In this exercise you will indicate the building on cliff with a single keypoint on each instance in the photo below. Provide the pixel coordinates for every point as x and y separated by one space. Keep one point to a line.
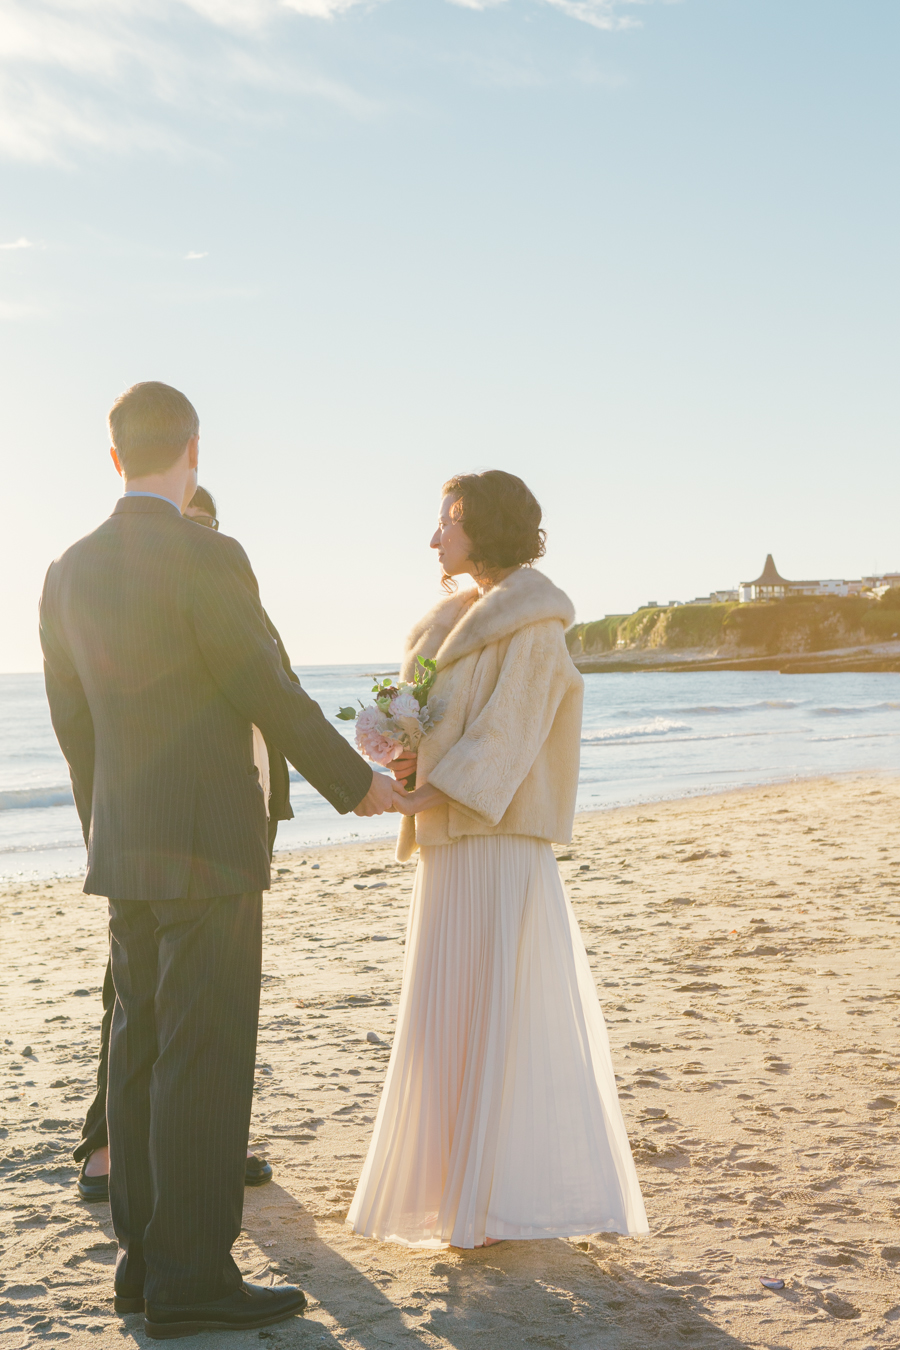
771 585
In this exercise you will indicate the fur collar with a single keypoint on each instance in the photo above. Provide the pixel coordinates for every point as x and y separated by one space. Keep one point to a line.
464 623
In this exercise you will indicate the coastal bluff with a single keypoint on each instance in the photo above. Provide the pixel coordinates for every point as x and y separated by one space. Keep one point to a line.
795 635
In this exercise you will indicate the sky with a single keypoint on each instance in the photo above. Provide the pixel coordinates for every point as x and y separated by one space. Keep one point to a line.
643 255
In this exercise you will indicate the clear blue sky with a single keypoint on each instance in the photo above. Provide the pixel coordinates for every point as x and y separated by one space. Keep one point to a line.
644 255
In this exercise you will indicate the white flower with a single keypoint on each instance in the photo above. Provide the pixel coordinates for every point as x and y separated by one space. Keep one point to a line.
368 719
373 736
405 705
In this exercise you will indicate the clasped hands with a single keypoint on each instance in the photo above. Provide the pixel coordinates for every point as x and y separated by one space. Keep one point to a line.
389 794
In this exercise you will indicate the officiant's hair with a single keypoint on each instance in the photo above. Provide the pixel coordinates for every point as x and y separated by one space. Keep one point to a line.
203 500
150 424
501 516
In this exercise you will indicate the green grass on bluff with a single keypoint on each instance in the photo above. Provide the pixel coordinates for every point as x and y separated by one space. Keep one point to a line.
797 624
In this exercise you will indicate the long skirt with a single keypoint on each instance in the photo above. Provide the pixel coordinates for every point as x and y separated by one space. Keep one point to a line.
499 1115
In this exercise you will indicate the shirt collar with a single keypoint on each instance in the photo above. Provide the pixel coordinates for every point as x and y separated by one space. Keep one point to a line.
158 495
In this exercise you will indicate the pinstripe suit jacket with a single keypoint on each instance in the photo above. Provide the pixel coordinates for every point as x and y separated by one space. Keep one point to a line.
157 659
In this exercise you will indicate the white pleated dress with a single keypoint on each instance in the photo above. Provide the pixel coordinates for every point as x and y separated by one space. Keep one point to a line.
499 1115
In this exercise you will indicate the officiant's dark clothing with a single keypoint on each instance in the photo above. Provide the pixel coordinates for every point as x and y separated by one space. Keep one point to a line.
157 661
94 1133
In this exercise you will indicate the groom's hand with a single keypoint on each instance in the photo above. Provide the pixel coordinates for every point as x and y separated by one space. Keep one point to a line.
379 798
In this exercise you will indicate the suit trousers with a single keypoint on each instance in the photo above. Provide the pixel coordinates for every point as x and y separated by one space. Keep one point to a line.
181 1065
93 1131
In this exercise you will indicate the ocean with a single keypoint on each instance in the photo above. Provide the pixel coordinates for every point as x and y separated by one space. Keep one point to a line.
646 737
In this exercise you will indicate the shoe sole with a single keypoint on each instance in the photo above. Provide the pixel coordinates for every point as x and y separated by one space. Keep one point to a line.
169 1331
93 1199
257 1181
128 1305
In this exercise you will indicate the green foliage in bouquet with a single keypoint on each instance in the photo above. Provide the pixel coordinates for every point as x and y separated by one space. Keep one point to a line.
385 691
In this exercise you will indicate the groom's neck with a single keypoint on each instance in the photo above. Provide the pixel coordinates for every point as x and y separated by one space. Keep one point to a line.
178 487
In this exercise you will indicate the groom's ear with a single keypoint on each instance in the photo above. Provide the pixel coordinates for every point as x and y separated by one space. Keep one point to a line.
115 459
193 447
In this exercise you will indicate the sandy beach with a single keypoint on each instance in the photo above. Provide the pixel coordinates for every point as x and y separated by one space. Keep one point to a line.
745 949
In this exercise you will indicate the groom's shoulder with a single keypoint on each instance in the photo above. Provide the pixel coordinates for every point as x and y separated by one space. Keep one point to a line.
215 548
156 539
80 547
183 536
218 560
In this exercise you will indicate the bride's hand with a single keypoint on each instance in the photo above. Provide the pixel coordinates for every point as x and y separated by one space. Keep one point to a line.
424 798
404 767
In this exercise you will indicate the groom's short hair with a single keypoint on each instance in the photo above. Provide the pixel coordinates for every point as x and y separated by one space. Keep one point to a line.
150 424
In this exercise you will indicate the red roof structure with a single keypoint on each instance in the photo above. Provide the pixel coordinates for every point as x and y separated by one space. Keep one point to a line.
769 585
769 576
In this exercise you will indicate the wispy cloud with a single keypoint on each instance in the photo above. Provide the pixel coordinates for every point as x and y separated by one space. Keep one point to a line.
192 257
134 74
120 75
609 15
19 243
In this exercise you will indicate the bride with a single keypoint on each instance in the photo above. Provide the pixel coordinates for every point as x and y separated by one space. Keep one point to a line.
499 1116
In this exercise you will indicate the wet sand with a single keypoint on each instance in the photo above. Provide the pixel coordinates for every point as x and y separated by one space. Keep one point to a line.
745 948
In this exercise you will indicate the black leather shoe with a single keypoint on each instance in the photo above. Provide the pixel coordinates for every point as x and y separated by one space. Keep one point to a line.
257 1172
92 1189
253 1305
125 1303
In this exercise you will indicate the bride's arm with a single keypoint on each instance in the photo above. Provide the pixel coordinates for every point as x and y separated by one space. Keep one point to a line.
482 772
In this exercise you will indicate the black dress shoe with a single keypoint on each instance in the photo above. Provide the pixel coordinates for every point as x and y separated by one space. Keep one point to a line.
253 1305
128 1303
92 1188
257 1172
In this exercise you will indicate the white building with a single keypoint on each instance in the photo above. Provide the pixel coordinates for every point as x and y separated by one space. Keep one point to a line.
770 585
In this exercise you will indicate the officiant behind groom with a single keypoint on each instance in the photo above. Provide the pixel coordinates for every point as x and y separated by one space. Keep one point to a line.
157 663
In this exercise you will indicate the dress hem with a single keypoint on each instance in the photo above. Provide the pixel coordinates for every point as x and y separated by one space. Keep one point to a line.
443 1244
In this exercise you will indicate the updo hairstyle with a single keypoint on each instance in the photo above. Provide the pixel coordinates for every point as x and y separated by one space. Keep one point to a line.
501 517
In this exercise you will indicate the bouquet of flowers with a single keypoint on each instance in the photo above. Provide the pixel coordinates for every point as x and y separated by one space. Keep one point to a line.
398 718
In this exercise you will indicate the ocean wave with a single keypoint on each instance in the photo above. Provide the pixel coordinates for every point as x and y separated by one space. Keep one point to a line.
860 708
26 799
660 726
857 736
51 846
715 709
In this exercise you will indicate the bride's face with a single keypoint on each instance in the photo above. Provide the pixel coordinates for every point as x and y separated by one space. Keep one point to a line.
452 543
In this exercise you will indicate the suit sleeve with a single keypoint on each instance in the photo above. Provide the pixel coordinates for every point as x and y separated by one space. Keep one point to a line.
482 772
243 658
279 779
69 711
282 652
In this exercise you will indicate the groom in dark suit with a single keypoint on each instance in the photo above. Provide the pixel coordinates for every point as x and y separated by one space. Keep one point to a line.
93 1147
157 661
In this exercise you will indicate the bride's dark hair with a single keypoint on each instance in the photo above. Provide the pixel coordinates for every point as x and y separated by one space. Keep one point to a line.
501 516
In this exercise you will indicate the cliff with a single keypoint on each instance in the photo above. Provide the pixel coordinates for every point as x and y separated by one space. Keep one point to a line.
802 632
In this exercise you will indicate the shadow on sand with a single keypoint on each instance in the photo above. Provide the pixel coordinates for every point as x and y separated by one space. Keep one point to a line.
370 1295
550 1293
